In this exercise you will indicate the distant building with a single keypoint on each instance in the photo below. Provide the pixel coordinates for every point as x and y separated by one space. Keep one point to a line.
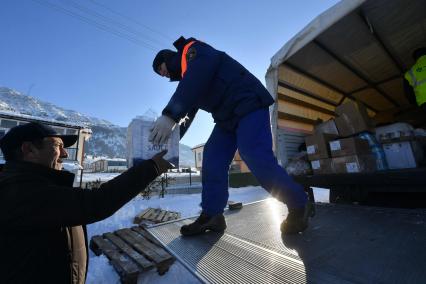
237 165
103 164
198 155
87 163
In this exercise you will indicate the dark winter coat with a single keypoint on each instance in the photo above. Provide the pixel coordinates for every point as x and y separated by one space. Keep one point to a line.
43 218
215 83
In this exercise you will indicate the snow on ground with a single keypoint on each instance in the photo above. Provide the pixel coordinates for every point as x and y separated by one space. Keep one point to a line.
87 177
100 271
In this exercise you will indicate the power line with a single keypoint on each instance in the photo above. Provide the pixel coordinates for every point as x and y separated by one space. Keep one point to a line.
111 21
96 24
132 20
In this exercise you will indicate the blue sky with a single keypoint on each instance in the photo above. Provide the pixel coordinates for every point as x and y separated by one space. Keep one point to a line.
103 69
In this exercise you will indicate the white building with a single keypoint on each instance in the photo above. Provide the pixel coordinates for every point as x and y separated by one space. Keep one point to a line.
237 165
103 164
198 153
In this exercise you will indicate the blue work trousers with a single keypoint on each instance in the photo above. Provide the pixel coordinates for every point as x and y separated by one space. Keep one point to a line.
253 139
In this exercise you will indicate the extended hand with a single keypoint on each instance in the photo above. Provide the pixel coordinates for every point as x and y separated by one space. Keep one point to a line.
161 130
162 164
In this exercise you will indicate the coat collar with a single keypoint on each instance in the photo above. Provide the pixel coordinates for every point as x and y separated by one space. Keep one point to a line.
181 42
58 177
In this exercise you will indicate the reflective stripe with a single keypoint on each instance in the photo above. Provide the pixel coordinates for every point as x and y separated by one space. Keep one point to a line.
183 63
413 78
421 82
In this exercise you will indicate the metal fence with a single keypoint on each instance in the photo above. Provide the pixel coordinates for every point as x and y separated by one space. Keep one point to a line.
181 178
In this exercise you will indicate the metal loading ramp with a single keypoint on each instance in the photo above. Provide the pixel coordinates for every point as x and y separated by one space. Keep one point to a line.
344 244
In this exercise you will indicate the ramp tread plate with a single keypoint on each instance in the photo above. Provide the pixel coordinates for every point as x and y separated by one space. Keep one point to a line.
344 244
228 259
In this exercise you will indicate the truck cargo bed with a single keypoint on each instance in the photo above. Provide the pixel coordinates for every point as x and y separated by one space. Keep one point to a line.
409 179
392 188
343 244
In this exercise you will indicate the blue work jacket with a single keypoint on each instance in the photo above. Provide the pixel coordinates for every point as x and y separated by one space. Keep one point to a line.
215 83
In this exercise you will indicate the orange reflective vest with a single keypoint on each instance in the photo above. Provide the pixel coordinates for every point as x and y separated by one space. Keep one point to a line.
183 63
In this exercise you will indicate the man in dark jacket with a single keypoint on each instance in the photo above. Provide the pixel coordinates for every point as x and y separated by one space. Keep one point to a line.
42 217
212 81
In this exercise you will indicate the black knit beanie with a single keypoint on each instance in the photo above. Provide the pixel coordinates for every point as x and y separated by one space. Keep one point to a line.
164 55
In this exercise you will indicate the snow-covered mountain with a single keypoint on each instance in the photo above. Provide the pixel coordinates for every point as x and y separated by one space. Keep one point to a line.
107 139
13 101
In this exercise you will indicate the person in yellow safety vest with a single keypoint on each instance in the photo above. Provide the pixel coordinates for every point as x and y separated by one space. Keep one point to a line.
415 79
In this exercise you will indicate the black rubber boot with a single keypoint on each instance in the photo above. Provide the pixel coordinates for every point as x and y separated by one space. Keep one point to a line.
204 223
297 219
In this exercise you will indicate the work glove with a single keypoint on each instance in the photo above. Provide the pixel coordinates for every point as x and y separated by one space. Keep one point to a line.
161 130
161 164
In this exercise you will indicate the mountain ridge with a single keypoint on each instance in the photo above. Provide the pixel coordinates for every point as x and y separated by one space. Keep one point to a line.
107 139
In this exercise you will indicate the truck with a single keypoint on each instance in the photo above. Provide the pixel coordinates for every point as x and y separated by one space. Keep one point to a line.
355 51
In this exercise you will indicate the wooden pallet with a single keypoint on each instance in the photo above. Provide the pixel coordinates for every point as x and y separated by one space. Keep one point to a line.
156 215
131 252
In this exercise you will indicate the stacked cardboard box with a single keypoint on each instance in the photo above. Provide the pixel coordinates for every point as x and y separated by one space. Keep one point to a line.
322 166
354 164
349 146
317 146
351 155
328 127
328 154
353 119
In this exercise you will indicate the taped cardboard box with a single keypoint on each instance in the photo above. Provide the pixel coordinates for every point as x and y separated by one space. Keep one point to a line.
322 166
139 148
328 127
349 146
317 145
354 164
353 119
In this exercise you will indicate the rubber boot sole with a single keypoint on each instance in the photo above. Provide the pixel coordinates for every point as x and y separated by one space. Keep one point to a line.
203 229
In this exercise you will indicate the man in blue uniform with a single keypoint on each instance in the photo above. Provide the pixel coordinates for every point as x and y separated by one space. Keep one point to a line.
211 80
